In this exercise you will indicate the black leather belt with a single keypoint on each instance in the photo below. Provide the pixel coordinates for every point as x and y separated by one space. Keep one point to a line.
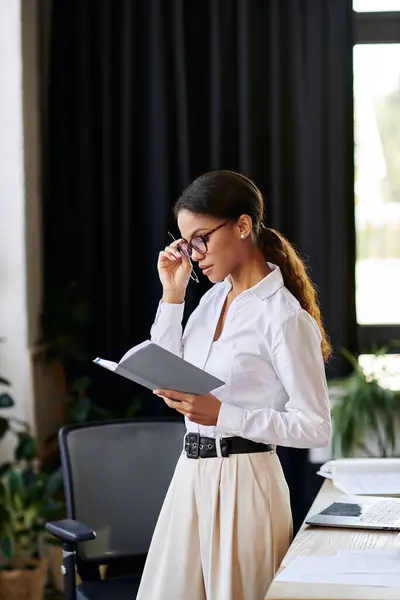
205 447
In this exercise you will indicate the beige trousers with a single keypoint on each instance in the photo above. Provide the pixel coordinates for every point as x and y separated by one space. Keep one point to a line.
222 532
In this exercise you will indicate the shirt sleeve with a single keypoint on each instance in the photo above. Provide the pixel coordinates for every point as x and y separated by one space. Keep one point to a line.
298 362
166 330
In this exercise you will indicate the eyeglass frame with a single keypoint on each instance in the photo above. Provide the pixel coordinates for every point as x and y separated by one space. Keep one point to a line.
204 238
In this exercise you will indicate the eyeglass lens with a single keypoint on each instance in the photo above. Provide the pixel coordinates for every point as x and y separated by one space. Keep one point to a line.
197 243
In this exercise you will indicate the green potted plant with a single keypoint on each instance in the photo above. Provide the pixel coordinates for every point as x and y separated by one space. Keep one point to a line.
27 500
363 412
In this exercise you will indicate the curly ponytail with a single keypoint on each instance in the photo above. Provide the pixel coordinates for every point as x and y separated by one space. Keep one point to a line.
278 250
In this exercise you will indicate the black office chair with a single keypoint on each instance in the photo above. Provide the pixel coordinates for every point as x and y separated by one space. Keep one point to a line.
116 475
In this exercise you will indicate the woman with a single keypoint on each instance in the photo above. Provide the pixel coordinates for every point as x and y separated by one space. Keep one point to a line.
226 522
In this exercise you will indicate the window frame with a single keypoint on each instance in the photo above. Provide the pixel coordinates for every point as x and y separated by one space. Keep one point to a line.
377 28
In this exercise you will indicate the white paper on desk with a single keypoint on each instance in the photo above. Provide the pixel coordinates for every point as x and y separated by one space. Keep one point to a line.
326 469
364 476
373 484
365 567
367 475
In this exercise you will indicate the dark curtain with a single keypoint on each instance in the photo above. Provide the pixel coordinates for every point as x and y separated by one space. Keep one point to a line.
146 95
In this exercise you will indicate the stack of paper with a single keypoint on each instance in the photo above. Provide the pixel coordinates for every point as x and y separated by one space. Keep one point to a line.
350 567
368 476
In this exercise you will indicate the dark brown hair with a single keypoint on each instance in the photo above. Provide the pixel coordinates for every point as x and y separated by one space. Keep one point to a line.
228 195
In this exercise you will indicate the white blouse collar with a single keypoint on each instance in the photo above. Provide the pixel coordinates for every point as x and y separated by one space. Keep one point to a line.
267 286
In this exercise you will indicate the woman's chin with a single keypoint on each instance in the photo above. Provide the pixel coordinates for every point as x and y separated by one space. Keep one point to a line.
211 276
215 274
215 277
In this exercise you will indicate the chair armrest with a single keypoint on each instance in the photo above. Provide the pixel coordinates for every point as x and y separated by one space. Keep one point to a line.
69 530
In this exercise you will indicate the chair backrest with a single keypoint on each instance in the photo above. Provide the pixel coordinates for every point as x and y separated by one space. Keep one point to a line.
116 475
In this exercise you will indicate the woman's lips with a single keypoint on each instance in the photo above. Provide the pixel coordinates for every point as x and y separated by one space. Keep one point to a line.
206 270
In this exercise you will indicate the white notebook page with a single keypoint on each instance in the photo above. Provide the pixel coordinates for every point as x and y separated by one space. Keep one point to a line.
375 476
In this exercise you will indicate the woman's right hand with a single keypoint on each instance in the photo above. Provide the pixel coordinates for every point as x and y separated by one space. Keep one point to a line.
174 269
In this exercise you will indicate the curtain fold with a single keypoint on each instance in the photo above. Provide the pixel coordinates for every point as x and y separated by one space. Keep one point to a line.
145 96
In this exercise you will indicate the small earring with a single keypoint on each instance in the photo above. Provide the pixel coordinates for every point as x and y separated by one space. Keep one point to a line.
242 236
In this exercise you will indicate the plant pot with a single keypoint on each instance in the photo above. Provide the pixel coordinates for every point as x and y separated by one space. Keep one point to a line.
24 584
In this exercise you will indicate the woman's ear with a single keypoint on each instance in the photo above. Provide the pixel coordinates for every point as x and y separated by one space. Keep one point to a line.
244 226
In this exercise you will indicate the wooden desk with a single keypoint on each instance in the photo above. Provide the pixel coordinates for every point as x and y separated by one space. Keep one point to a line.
323 541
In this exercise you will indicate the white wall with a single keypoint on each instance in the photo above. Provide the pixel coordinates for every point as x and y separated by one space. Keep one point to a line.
14 353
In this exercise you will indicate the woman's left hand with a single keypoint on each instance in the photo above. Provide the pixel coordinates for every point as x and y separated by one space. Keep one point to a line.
201 409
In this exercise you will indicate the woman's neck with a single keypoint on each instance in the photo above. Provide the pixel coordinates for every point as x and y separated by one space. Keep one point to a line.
250 272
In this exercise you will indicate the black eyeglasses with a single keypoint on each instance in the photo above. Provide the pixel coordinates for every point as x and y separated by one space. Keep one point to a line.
198 243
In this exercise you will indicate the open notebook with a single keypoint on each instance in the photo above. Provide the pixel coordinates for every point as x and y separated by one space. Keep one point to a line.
154 367
369 476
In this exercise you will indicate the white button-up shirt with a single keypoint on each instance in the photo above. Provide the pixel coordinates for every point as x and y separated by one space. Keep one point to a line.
269 356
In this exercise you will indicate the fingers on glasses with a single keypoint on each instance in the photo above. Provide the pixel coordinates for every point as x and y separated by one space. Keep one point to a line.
186 252
170 254
183 247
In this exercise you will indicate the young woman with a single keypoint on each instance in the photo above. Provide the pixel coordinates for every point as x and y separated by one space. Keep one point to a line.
226 521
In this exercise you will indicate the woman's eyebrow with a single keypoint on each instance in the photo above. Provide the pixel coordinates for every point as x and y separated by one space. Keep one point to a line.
196 231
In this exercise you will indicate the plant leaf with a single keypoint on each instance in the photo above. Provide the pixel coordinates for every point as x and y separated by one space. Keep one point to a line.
79 410
364 411
4 468
54 482
17 488
80 385
351 359
30 478
6 401
390 418
6 546
4 515
26 532
3 427
26 448
347 425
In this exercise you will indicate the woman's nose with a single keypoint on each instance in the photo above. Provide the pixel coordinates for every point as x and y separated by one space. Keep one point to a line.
196 256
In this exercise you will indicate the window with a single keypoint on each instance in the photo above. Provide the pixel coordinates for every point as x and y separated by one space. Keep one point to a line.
377 170
377 182
385 368
376 5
